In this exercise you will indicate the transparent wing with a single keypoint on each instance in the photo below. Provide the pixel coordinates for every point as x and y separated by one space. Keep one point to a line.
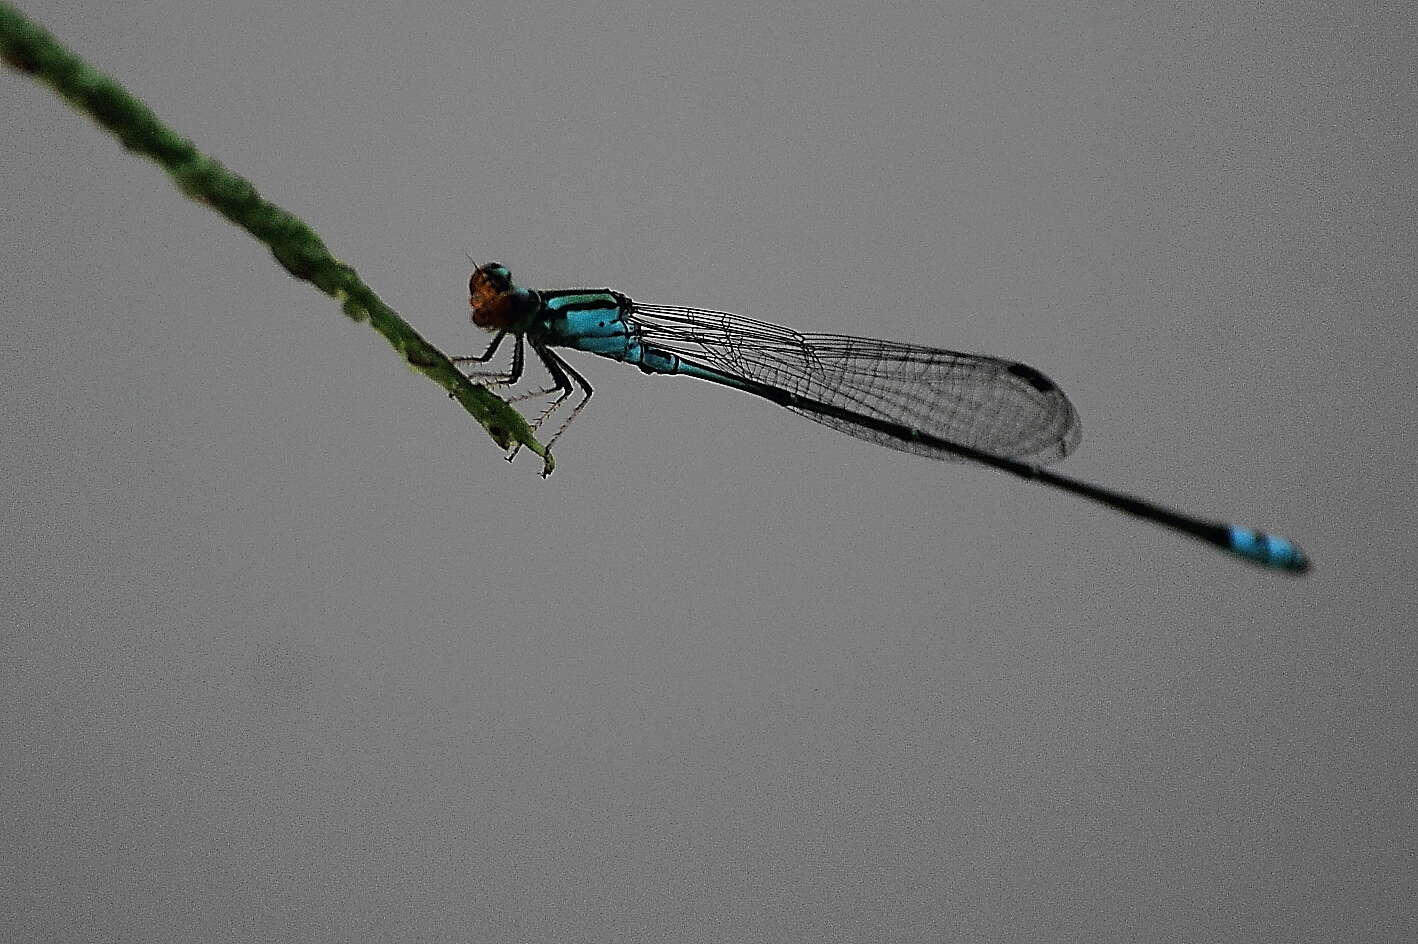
1000 406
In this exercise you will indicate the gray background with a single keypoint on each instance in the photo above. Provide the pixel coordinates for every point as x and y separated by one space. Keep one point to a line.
291 654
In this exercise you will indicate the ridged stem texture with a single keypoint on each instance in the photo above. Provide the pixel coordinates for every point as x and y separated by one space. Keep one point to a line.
29 49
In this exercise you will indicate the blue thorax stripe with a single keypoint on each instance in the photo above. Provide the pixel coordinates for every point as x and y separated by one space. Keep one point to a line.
591 320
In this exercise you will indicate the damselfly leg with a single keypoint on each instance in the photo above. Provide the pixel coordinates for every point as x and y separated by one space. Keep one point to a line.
563 377
561 371
493 378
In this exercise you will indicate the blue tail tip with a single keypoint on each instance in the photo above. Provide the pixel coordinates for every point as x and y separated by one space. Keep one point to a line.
1269 550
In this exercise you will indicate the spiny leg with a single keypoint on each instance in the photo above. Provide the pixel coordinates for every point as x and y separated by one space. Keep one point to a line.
485 356
498 379
511 377
559 383
529 394
563 374
561 370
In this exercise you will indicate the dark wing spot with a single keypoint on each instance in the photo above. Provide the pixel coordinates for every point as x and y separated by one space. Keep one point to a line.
1032 377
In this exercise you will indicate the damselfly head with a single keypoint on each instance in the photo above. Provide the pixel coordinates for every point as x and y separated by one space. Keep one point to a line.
492 278
498 304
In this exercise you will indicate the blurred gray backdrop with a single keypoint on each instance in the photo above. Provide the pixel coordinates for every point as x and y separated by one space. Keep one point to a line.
291 654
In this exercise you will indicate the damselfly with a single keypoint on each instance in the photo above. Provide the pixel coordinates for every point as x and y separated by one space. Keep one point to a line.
942 404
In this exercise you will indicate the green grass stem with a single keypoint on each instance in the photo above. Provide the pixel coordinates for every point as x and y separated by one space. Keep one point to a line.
28 48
